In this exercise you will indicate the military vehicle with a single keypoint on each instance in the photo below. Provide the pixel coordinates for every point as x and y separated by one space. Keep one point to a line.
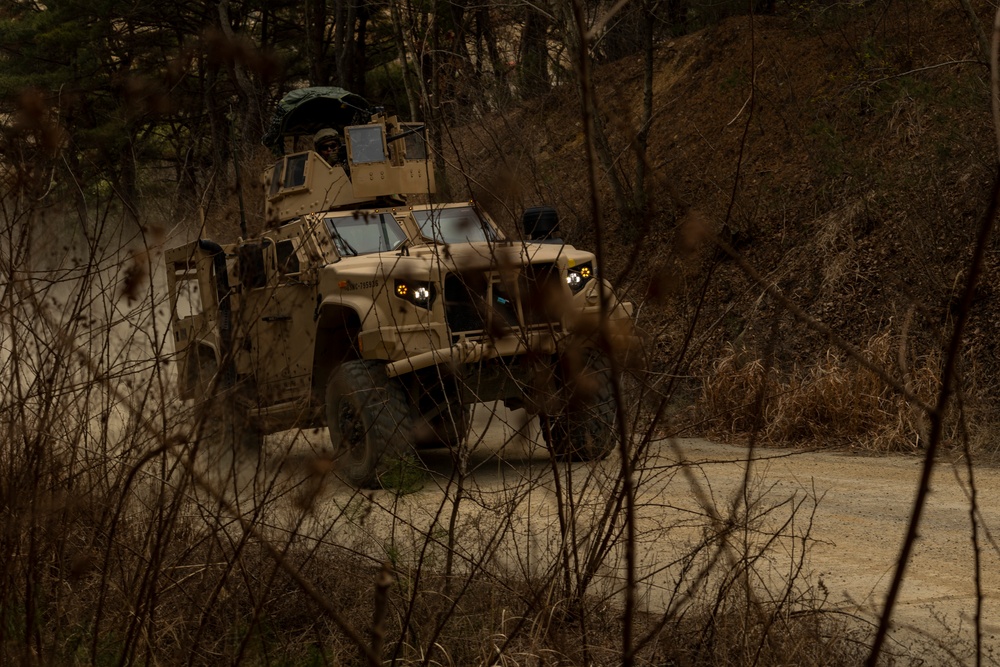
384 319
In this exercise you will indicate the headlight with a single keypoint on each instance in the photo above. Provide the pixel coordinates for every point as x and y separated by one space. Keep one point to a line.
418 293
578 276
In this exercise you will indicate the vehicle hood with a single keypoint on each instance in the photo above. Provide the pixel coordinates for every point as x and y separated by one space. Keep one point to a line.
482 256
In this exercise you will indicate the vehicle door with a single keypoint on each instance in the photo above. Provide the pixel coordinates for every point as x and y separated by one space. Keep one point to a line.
277 315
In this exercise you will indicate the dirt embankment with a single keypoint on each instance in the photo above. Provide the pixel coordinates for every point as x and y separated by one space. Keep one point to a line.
845 153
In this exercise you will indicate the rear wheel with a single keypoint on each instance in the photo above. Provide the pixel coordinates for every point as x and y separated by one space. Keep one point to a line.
200 370
585 428
224 423
370 422
239 432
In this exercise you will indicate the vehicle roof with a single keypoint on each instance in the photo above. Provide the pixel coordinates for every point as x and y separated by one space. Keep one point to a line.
308 110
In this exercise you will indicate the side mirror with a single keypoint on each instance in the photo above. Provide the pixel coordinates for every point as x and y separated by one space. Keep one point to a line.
540 223
250 265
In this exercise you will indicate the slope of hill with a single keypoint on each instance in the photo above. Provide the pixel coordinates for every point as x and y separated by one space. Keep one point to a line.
846 153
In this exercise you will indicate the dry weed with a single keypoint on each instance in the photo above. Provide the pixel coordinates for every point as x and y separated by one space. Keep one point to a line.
835 401
737 397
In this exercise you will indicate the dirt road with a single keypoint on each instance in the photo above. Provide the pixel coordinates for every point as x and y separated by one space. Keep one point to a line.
863 505
849 512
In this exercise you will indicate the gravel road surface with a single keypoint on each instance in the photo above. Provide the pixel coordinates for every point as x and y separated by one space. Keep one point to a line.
849 511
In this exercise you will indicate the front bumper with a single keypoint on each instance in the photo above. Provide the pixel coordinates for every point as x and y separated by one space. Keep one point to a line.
466 351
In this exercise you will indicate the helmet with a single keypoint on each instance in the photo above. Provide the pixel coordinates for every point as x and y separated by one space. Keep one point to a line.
327 133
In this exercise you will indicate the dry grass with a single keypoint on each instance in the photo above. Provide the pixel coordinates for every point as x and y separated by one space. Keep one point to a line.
835 401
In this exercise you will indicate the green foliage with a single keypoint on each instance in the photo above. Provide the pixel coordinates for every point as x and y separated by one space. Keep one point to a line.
128 83
84 60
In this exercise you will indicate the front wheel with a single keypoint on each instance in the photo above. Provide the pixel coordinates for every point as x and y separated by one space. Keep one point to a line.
370 424
586 427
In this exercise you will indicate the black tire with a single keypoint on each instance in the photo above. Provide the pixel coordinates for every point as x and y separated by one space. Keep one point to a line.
442 420
200 370
238 431
224 423
370 422
586 428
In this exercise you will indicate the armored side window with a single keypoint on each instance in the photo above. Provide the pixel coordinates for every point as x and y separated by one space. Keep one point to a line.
295 170
250 265
187 294
367 144
288 261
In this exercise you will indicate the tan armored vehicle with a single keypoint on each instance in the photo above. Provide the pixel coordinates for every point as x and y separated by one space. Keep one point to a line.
385 321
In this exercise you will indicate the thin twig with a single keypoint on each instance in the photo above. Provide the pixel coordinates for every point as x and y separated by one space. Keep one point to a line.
924 69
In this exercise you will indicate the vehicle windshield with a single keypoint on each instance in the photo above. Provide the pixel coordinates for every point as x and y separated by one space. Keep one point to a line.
453 225
364 234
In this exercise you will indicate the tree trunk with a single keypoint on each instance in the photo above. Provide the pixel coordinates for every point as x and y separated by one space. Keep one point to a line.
677 16
128 179
345 17
409 58
218 132
462 85
315 36
533 70
252 126
642 136
360 56
485 34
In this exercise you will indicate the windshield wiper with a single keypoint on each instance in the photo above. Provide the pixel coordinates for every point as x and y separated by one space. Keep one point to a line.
352 251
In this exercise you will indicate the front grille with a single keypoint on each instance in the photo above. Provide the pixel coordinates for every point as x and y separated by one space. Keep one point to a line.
543 292
504 307
465 302
480 303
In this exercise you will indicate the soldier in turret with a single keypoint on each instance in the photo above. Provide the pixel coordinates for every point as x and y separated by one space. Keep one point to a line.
329 144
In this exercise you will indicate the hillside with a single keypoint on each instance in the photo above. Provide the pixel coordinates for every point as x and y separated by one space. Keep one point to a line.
847 154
